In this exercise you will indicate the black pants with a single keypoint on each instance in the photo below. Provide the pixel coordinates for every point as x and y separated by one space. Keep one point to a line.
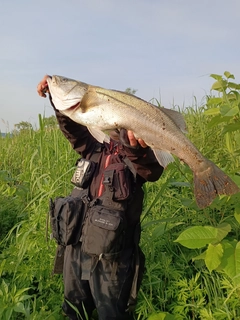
106 287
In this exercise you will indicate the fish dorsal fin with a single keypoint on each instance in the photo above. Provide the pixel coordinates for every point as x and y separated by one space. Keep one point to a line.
177 118
164 157
99 135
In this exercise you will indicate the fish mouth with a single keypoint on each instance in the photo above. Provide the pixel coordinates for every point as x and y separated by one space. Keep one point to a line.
46 89
49 78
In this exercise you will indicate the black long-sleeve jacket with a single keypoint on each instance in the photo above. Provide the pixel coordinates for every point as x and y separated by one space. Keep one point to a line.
143 161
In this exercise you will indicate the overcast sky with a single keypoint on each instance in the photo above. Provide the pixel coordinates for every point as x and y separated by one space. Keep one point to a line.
166 49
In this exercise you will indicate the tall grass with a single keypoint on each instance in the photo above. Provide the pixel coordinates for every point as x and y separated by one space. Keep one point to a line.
38 164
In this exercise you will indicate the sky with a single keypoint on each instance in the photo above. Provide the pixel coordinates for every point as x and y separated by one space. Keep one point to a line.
166 49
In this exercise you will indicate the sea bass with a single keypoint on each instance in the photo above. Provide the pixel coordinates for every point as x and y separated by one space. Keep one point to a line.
162 129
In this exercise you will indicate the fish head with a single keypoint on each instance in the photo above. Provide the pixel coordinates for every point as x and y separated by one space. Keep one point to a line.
66 93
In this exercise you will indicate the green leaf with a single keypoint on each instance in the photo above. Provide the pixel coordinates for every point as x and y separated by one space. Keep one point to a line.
157 316
213 257
217 86
24 297
19 307
2 265
231 260
237 212
222 231
214 101
2 310
19 292
237 141
233 96
201 256
229 111
216 76
212 111
216 120
231 127
229 142
8 314
5 287
229 75
159 230
197 237
161 316
233 85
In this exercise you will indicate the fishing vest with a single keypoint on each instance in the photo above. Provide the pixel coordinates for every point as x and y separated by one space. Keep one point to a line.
99 224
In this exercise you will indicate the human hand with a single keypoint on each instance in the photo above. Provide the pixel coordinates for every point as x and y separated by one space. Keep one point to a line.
134 142
42 87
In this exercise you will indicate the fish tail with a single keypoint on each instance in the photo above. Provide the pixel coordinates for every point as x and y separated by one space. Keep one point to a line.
211 182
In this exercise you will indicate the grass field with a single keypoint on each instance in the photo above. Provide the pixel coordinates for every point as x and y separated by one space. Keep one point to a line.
182 281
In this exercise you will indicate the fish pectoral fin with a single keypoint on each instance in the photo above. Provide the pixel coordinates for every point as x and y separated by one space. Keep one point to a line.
89 100
164 157
177 118
99 135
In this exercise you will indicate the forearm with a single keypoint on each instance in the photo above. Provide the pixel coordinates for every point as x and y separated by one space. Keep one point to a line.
78 135
144 162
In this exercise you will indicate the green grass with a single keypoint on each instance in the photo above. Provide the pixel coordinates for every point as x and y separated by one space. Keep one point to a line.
38 164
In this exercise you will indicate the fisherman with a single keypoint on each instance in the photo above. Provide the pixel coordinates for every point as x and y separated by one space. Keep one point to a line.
107 283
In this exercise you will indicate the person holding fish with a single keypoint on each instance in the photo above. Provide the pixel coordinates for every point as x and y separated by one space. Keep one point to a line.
103 266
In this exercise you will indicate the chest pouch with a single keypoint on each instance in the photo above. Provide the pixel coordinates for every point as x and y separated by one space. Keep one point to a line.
103 232
83 173
119 180
66 215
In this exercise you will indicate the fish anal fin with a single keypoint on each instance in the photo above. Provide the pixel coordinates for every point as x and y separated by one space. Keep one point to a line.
164 157
177 118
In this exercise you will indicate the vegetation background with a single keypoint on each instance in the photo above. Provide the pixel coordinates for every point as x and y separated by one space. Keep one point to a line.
192 255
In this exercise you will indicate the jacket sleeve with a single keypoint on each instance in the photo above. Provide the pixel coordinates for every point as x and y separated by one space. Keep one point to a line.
144 162
78 135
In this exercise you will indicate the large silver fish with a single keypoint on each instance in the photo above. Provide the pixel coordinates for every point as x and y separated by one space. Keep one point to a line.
162 129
